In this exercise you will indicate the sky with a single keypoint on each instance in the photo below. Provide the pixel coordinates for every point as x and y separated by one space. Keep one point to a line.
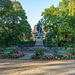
34 9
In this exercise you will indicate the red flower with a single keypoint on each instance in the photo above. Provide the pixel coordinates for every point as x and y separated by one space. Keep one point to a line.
0 46
9 48
4 49
16 49
1 49
66 45
4 45
74 48
73 44
39 48
1 57
14 45
42 57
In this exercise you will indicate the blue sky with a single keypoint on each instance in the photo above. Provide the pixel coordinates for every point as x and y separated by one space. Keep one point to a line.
34 9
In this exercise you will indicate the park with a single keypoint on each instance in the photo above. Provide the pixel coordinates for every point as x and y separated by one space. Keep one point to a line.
45 48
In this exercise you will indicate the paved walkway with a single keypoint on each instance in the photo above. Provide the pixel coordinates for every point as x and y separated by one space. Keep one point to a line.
27 56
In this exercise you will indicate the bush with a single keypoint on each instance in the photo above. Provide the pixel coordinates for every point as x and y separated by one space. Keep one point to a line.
51 38
28 42
34 56
9 42
12 55
37 54
14 51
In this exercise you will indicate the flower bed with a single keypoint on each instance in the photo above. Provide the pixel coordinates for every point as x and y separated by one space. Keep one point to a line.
53 57
40 55
11 53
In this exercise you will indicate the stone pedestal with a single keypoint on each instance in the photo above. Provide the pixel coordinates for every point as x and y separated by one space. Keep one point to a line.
39 40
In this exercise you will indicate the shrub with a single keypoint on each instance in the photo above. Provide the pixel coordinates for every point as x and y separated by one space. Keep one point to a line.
34 56
9 42
39 52
14 53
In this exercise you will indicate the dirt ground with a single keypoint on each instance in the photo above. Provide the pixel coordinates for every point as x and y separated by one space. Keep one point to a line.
36 67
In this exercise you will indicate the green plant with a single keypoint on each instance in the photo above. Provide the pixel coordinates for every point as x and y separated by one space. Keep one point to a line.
39 52
14 51
59 56
73 52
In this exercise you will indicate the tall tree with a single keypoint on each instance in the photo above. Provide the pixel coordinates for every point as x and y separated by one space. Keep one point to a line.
60 19
14 22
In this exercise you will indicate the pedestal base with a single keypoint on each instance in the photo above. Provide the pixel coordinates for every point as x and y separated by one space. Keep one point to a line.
39 40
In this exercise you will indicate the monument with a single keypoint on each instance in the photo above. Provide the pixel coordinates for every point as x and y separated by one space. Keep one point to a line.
39 28
39 35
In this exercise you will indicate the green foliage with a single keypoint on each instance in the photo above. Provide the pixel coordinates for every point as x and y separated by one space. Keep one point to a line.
59 56
14 51
8 50
60 19
14 24
30 42
16 41
51 38
39 52
73 51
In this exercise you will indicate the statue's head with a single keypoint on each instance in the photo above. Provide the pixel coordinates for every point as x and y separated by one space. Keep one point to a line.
39 21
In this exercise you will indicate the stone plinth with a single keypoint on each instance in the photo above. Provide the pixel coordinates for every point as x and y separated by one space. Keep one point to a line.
39 40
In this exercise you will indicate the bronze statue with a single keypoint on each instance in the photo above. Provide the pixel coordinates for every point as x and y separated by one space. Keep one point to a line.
39 27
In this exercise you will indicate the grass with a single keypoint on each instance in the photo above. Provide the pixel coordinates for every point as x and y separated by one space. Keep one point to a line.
7 50
65 51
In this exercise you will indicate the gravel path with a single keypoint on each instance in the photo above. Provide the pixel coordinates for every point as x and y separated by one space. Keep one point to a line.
36 67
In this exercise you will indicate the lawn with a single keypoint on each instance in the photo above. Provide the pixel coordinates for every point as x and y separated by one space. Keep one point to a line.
64 51
7 50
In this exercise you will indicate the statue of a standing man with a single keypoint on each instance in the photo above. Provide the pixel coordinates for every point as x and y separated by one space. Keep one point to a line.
39 27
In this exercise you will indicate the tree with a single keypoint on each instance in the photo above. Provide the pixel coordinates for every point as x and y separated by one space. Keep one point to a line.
51 38
14 24
50 17
60 19
5 7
